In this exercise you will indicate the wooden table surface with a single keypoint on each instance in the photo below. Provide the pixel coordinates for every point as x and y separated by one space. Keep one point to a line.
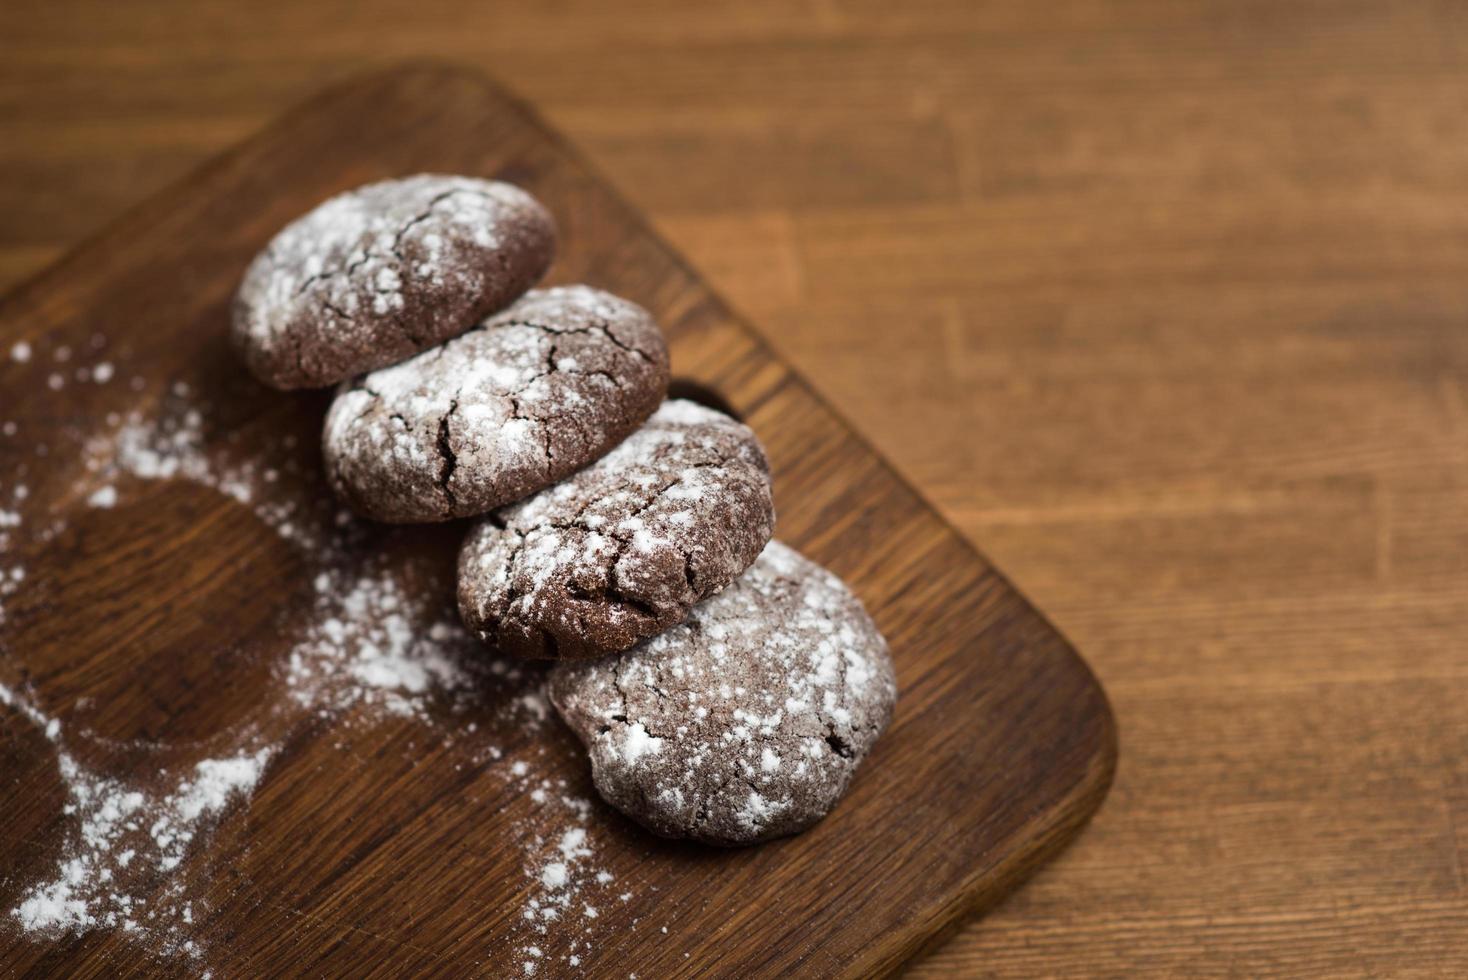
1162 303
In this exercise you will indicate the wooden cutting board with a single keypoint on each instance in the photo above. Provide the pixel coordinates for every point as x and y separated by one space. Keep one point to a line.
408 825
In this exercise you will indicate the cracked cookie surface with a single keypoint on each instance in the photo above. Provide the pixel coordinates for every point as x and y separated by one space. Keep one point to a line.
624 548
377 274
746 722
526 398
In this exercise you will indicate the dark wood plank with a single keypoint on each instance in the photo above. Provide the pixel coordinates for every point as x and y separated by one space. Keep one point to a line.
387 846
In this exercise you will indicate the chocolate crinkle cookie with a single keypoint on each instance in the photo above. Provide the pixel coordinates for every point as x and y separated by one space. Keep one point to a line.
526 398
623 549
744 723
382 272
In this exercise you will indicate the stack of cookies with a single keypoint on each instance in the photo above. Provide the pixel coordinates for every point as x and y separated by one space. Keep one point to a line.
725 687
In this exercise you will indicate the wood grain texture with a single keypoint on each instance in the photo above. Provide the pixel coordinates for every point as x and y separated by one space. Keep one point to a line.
1160 302
1002 746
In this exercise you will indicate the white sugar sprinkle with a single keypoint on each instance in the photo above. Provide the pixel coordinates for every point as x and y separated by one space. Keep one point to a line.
118 821
103 497
370 649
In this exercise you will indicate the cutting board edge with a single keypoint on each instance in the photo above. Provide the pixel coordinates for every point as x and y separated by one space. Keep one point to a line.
980 896
987 885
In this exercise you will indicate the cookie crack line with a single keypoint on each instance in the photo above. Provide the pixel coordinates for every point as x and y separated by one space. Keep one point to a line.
516 392
511 593
378 273
838 744
515 395
613 591
603 328
394 252
625 717
621 693
434 202
617 342
446 452
370 254
624 539
578 521
376 399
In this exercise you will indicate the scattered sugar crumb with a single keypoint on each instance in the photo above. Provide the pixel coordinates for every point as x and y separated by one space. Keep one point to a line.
95 883
103 497
565 878
370 649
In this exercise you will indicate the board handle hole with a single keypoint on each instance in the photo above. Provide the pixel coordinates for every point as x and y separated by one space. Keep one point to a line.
697 391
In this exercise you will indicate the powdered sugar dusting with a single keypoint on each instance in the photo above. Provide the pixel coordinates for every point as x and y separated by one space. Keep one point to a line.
123 833
530 395
12 574
624 547
366 649
371 642
103 497
747 721
567 886
174 445
377 273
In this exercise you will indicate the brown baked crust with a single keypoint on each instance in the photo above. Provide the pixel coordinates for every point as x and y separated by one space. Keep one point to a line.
377 274
624 548
526 398
748 721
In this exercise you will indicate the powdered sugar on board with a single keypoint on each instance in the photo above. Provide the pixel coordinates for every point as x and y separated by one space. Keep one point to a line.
567 887
11 574
123 836
368 650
